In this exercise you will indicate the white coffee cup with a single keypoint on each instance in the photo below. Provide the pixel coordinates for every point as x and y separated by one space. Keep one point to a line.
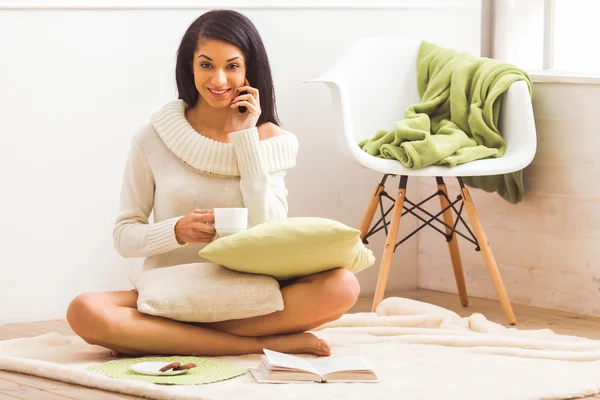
230 220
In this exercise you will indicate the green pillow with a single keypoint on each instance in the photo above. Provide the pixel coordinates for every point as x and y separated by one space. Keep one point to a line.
291 247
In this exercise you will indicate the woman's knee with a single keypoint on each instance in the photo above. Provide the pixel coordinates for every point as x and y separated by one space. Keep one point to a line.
342 288
88 317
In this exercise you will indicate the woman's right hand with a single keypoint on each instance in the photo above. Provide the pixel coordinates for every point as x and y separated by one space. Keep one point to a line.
196 227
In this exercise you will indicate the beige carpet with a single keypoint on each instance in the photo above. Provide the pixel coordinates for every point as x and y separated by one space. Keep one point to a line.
420 351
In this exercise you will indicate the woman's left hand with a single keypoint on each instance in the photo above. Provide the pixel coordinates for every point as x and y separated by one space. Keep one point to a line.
248 119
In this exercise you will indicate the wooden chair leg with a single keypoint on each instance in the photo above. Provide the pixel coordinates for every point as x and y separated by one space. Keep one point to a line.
390 244
368 218
488 256
453 245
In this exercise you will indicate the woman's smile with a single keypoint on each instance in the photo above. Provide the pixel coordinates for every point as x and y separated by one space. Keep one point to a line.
219 93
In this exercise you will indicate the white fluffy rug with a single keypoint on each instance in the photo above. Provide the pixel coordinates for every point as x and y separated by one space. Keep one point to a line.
420 351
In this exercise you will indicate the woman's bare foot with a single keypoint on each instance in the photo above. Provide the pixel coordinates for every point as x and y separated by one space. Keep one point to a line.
127 354
297 343
120 352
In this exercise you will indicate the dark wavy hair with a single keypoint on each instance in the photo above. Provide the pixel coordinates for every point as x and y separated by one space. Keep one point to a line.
234 28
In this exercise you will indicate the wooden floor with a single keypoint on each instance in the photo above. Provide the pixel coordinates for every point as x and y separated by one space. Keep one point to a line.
18 386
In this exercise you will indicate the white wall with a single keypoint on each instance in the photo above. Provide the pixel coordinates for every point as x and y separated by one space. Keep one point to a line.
78 78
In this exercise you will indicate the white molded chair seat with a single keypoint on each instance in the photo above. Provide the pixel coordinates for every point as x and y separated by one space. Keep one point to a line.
372 84
375 80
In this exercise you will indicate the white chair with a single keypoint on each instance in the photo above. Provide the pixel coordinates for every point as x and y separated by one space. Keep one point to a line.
371 85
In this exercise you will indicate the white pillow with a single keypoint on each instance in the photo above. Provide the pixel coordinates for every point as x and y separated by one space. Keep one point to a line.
205 292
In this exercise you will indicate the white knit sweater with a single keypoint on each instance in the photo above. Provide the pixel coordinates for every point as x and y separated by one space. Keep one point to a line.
172 170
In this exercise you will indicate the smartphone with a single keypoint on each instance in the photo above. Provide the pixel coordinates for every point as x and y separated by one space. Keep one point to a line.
243 109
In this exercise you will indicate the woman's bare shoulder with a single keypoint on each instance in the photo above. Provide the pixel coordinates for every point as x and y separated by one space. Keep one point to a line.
269 130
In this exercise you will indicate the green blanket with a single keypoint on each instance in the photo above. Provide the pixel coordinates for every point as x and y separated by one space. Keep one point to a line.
456 121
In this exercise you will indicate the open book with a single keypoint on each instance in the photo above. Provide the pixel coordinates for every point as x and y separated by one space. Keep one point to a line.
278 367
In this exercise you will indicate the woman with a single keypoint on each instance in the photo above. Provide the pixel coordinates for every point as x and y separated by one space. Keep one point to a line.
198 153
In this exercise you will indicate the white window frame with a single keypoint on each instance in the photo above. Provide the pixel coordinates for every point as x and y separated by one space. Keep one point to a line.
548 35
522 33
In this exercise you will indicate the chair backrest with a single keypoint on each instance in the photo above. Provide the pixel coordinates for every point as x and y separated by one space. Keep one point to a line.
372 83
516 123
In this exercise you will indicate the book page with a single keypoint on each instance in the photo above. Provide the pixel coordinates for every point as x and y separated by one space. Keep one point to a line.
277 359
260 379
326 366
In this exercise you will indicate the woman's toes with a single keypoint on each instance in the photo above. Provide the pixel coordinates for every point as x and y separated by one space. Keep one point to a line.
324 348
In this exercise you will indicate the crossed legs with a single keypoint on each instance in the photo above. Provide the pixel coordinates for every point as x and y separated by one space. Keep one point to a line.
111 320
